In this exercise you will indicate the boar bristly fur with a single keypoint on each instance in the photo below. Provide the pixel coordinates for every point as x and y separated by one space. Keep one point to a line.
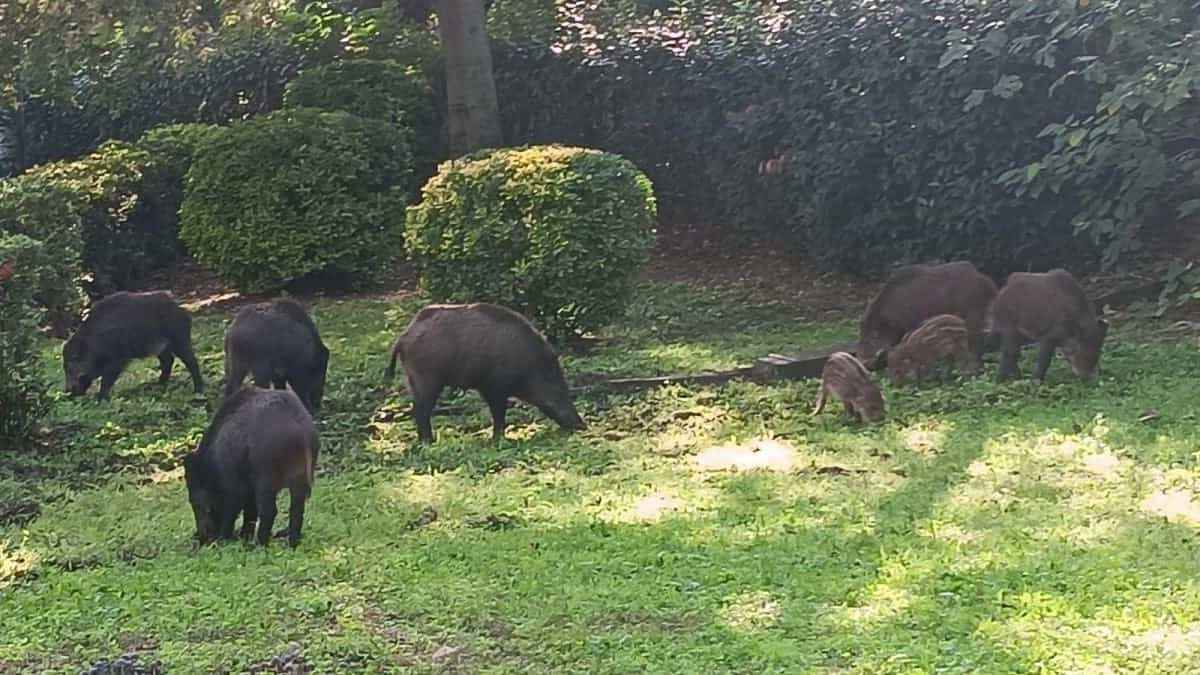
918 292
484 347
127 326
1052 309
277 344
260 442
847 378
941 337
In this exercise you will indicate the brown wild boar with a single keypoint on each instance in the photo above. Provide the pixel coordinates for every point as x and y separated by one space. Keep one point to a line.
1051 309
278 344
484 347
127 326
847 378
941 337
259 442
915 293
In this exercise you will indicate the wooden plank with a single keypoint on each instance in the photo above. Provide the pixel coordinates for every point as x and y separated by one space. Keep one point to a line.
637 383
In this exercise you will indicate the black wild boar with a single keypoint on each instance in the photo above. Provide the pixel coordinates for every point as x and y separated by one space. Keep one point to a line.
127 326
277 343
259 442
917 292
942 336
484 347
847 378
1052 309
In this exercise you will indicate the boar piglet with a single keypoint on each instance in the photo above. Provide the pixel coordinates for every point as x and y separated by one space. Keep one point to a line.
127 326
847 378
277 343
1051 309
259 442
918 292
484 347
941 337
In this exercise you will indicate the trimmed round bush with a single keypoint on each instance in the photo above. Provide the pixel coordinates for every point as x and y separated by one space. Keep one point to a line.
122 239
38 209
381 90
295 193
24 396
172 148
558 233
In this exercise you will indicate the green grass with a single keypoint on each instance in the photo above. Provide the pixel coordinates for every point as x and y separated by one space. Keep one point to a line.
982 528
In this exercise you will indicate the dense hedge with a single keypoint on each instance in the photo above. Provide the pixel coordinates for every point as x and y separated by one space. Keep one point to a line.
295 193
877 133
556 232
124 236
24 399
382 90
38 209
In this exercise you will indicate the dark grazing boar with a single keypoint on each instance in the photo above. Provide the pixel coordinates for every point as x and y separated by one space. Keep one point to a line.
278 344
259 442
917 292
943 336
1051 309
127 326
484 347
848 379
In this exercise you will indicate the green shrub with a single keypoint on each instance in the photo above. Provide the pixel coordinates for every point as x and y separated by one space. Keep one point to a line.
172 149
122 238
297 192
556 232
38 209
24 398
381 90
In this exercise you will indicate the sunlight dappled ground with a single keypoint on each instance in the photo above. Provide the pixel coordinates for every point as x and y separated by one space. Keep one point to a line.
981 528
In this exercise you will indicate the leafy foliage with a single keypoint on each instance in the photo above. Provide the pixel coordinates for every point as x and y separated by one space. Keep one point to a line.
381 90
557 232
297 192
25 266
123 236
38 209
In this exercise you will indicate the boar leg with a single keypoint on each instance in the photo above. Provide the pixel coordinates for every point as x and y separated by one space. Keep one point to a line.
425 396
185 354
108 379
1045 353
229 513
852 412
1010 352
296 514
498 404
266 514
166 361
249 518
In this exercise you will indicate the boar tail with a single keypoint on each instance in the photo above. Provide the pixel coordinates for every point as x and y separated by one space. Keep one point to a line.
391 369
820 401
308 469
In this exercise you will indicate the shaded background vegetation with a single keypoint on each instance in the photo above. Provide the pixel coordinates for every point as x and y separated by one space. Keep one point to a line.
1019 134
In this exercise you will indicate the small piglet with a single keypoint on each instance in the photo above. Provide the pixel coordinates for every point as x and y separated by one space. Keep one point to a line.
484 347
278 344
846 377
941 337
259 442
127 326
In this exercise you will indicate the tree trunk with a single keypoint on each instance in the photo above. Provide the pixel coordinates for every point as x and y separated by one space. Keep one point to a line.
474 116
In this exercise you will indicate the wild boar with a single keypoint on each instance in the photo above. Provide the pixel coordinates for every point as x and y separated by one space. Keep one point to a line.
941 337
917 292
1051 309
278 344
127 326
259 442
848 379
484 347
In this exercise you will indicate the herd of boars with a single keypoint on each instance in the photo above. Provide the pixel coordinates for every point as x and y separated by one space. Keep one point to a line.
262 438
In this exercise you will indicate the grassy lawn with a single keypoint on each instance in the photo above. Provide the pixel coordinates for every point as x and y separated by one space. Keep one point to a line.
982 528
